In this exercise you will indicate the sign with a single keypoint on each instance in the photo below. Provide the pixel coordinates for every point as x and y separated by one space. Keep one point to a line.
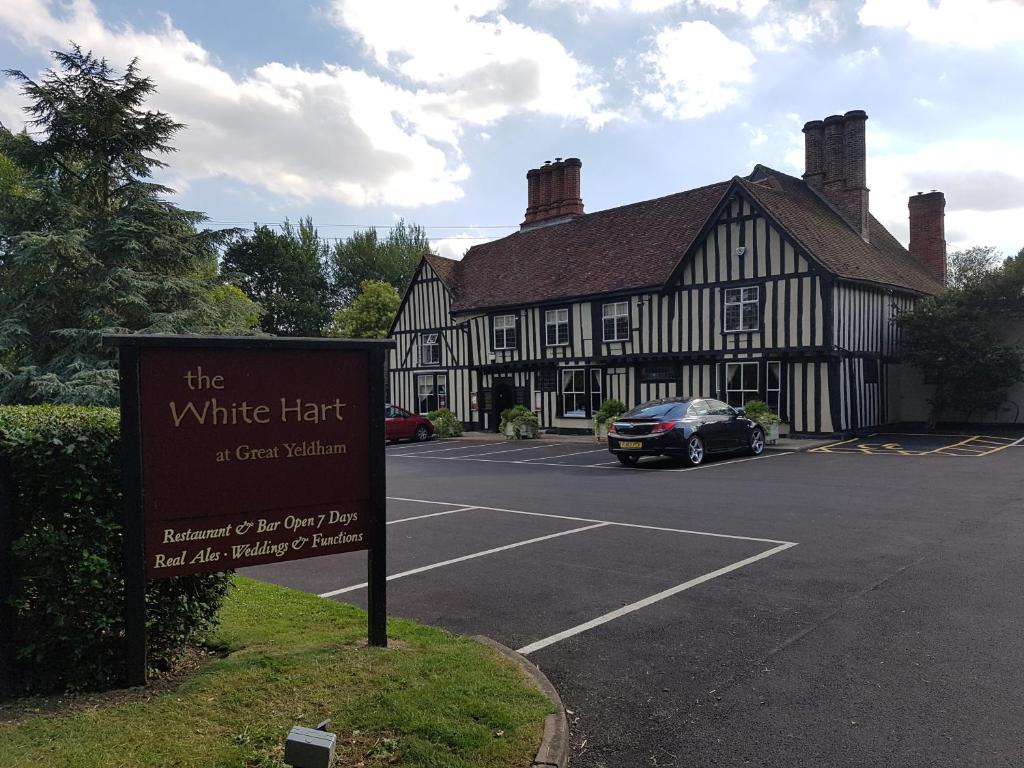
240 451
252 456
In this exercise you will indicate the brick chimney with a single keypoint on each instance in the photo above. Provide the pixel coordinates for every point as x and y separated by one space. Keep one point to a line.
928 232
835 164
553 193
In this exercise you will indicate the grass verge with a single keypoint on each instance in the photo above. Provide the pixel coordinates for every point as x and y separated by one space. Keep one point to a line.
432 699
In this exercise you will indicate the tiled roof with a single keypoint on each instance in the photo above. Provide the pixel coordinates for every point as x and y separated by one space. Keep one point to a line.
445 269
634 246
826 236
639 245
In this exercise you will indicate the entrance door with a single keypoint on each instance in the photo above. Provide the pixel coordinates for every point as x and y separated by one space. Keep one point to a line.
504 397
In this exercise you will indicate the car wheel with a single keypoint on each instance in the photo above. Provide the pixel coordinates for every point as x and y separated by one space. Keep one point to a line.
757 442
422 434
627 459
695 451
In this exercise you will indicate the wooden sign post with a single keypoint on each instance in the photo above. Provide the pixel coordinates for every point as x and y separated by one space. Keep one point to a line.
245 450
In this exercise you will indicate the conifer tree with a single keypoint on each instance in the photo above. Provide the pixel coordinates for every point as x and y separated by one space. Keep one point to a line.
89 244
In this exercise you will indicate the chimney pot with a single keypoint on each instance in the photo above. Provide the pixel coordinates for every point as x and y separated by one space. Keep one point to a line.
553 191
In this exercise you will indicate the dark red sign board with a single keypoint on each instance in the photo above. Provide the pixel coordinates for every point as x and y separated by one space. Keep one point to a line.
240 451
252 456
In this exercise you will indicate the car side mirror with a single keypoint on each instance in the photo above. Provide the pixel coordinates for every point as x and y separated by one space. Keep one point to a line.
741 412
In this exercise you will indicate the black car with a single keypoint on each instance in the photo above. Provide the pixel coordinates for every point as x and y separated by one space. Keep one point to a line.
688 429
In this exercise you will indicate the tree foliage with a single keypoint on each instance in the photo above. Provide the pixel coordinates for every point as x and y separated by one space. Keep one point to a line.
369 315
88 243
365 256
285 272
967 267
956 340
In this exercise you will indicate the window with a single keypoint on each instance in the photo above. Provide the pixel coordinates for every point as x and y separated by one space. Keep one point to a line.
718 408
556 327
698 408
615 317
742 309
773 385
582 391
595 390
870 370
652 374
430 349
657 411
741 383
505 332
431 392
574 393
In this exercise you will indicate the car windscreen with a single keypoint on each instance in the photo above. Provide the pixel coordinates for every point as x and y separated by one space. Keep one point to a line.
659 411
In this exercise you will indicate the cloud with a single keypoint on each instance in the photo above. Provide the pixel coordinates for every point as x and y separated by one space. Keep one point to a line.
697 70
782 29
966 23
748 8
983 181
332 132
455 247
488 65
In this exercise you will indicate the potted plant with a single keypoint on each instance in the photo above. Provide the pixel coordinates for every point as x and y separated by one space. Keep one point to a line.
446 424
758 411
610 410
519 423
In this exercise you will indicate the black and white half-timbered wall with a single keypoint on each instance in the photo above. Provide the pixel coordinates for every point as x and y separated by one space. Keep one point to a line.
763 287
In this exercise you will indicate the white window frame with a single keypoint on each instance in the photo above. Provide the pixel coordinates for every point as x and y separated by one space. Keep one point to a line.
742 297
620 320
777 391
428 340
431 380
581 394
507 324
556 319
745 391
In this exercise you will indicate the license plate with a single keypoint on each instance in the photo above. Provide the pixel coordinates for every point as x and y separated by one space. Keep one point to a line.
630 444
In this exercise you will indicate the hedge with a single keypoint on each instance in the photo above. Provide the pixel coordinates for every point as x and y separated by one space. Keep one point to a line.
64 472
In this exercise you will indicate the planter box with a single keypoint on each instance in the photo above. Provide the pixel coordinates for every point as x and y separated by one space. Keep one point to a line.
601 432
771 434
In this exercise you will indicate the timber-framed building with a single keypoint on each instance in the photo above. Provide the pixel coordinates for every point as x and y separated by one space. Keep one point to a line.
764 286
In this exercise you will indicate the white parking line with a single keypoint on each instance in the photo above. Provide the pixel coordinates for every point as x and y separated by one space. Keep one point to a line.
567 455
605 465
514 450
432 514
772 455
464 558
626 609
467 444
609 522
1016 443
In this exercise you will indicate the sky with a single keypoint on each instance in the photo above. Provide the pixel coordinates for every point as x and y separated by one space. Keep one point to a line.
362 112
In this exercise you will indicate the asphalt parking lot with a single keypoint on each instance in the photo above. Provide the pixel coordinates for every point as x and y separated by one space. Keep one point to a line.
859 604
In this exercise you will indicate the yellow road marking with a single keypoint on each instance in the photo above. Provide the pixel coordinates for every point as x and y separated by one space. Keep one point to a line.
972 446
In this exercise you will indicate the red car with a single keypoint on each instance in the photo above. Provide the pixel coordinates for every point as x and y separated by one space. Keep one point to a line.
399 424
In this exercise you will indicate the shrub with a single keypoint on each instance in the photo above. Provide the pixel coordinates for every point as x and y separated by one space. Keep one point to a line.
758 411
610 410
522 421
446 424
68 590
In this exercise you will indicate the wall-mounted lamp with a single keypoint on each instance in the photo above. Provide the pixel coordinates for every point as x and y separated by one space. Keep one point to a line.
740 250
